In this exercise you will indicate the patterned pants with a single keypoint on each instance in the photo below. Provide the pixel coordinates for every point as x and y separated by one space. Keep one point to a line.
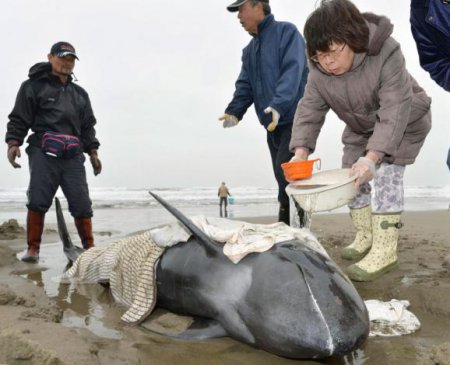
388 186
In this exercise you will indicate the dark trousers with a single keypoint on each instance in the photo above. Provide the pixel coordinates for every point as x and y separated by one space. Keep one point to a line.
48 173
223 201
278 142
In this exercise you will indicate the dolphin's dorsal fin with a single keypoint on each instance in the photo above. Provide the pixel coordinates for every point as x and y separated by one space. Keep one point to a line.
71 251
62 227
207 242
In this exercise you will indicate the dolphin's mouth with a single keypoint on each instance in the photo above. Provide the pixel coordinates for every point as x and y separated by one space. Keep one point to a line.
330 346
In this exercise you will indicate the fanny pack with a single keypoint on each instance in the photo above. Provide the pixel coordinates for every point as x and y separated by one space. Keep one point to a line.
60 145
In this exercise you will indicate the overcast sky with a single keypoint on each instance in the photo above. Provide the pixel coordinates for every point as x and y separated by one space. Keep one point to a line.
159 74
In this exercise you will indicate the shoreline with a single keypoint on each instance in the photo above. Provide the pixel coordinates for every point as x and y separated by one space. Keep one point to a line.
31 322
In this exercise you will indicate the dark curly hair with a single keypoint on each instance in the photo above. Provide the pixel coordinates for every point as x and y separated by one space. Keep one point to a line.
337 21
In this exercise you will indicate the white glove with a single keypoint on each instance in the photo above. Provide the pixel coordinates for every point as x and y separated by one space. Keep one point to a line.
365 169
229 120
275 118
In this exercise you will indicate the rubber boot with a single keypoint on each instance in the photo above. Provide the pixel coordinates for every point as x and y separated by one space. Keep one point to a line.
84 228
383 254
362 220
283 214
35 227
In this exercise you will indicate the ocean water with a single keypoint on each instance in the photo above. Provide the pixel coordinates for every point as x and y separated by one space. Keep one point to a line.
139 210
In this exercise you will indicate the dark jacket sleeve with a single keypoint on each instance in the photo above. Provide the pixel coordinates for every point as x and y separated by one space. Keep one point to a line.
22 116
448 159
88 138
432 43
243 95
292 66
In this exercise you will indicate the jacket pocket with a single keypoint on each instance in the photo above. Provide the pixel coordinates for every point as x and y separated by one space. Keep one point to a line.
439 16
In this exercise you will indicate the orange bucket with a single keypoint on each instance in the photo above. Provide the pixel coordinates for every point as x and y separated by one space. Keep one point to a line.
299 170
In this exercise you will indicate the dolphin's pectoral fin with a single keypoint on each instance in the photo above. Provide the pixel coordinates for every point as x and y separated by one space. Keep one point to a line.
183 327
203 329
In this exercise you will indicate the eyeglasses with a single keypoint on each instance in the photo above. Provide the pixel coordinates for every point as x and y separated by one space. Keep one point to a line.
331 54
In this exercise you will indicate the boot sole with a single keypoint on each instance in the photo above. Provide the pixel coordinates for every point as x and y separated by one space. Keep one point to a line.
30 259
352 254
357 274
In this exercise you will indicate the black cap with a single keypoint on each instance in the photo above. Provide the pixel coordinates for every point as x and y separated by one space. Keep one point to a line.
235 6
62 49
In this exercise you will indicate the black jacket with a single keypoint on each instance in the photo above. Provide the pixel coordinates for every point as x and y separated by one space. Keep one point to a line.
44 104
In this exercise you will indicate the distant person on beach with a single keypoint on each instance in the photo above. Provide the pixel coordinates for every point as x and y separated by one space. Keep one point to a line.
358 70
273 77
430 26
223 194
59 114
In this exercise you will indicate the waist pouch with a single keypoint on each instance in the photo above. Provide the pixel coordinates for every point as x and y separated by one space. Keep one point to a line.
60 145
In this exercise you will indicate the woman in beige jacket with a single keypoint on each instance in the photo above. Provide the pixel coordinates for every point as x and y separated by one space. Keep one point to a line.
358 70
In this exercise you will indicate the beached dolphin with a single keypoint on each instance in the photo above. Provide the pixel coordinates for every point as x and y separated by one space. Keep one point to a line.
289 300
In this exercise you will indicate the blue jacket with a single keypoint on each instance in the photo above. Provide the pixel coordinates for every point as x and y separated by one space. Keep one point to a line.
430 25
274 72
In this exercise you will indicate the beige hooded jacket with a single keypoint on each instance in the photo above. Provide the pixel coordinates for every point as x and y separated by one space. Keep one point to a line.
383 107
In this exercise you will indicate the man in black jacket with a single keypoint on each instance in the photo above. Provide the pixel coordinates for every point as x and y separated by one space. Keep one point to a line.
59 114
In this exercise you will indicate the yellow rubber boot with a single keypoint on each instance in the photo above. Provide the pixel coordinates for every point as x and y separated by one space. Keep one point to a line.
383 254
362 220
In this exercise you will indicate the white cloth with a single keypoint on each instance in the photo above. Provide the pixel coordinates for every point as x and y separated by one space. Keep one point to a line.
239 238
391 318
129 266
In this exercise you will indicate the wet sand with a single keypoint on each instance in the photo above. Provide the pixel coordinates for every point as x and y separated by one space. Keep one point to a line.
43 322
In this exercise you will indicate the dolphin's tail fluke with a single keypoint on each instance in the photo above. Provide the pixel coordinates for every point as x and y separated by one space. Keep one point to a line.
71 251
208 243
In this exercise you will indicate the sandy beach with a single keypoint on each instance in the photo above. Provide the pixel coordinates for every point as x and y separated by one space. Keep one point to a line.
43 322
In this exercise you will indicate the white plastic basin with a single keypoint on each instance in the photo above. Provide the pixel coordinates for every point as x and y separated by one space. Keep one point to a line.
325 190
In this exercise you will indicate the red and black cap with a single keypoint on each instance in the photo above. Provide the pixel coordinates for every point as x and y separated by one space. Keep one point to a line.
62 49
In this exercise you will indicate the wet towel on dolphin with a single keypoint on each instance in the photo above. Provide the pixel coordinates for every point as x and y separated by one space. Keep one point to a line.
239 238
129 264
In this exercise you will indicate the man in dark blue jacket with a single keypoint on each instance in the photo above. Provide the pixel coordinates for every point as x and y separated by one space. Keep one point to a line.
430 26
59 114
273 77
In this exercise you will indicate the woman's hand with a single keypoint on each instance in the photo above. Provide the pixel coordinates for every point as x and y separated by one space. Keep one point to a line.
364 169
301 154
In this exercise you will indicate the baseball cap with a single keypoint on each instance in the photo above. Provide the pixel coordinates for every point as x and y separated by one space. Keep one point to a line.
62 49
235 6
